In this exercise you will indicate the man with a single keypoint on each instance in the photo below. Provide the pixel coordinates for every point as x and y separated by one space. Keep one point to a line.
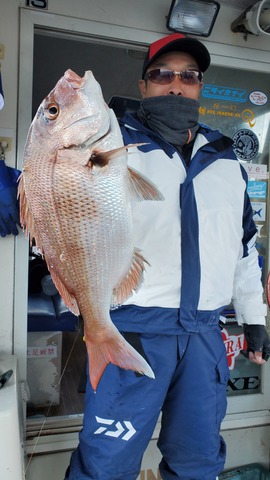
200 243
9 209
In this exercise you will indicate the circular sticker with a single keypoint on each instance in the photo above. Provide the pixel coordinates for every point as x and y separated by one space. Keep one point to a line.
258 98
246 144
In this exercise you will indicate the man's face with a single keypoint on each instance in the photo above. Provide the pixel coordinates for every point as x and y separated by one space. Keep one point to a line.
177 61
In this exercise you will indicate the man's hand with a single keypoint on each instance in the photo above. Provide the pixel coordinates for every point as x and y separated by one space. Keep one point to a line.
258 343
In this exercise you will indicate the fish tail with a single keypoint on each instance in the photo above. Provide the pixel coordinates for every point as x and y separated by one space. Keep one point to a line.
115 350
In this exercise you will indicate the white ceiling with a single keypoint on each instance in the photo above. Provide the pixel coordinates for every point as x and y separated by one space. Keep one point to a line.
240 4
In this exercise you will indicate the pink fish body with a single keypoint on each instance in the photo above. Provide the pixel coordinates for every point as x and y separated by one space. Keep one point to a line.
75 193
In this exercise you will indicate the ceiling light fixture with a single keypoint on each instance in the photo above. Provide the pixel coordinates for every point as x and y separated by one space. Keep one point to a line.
195 17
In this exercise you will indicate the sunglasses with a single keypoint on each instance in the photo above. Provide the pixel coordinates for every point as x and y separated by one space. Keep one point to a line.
165 77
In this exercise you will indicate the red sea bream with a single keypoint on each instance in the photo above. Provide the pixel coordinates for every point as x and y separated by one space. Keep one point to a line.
75 199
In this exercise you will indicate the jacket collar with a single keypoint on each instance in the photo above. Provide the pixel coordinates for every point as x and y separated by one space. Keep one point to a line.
208 146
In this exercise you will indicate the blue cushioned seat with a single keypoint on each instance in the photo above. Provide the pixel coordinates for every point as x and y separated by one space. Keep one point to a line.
46 313
67 321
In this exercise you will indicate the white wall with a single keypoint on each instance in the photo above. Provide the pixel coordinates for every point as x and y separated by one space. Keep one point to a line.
9 35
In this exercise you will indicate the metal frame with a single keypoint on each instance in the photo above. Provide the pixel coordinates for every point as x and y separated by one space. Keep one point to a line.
233 57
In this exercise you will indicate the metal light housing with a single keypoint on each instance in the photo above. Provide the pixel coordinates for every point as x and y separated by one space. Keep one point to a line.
195 17
255 19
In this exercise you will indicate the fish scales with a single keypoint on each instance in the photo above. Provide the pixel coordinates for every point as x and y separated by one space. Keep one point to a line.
75 201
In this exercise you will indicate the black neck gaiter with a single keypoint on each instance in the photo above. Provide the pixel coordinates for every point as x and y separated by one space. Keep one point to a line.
174 118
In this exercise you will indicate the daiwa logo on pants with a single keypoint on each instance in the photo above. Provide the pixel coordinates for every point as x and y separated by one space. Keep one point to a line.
115 428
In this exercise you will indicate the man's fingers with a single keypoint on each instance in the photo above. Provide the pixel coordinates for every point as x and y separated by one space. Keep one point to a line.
256 357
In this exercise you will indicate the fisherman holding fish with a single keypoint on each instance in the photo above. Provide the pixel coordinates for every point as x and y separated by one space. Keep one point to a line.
194 244
200 245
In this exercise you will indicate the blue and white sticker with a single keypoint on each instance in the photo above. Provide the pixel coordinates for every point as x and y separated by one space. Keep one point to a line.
246 144
256 189
258 98
224 93
259 211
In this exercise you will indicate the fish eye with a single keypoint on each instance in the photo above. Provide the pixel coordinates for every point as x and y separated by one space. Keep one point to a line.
52 111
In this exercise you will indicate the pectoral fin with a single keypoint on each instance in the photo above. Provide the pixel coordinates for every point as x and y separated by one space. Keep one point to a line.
102 159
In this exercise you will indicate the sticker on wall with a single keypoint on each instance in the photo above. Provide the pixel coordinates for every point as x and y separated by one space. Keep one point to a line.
259 230
256 170
259 211
256 189
233 344
224 93
246 144
258 98
50 351
248 117
224 113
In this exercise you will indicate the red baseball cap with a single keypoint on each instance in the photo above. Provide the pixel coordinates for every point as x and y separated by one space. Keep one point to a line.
178 42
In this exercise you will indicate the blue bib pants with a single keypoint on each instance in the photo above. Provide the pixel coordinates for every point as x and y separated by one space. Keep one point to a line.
189 389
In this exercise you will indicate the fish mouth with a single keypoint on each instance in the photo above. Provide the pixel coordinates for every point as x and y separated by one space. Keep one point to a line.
74 80
101 119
